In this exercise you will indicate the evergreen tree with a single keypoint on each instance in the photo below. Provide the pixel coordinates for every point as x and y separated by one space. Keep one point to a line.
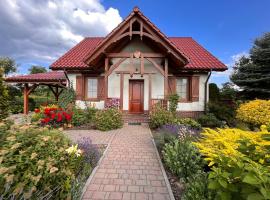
252 74
214 92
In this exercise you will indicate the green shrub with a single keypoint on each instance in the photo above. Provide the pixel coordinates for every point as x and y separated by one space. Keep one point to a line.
197 188
79 117
173 102
67 97
34 162
190 122
90 113
4 97
223 112
160 116
182 158
209 120
108 119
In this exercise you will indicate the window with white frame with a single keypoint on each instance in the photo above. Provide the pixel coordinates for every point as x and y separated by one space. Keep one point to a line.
182 88
92 88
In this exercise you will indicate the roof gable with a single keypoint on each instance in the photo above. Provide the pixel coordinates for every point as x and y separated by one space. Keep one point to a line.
199 57
125 29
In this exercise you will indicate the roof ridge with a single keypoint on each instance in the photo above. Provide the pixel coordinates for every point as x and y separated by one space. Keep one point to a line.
180 37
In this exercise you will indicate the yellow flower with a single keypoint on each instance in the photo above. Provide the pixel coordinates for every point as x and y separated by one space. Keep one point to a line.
36 178
3 152
53 169
3 170
45 138
9 178
33 155
11 138
15 146
74 150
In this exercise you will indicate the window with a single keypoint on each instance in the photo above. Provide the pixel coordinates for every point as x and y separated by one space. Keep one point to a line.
92 88
182 88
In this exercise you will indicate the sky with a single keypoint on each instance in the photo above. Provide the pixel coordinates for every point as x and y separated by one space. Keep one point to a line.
38 32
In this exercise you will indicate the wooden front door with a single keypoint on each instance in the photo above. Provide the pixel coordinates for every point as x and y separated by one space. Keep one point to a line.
136 96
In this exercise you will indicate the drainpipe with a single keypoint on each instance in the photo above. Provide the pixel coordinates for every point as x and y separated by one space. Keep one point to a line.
206 90
65 72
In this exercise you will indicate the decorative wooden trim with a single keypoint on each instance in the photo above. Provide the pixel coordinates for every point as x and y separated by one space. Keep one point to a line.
121 90
106 78
142 65
131 65
113 67
157 66
149 91
128 72
127 55
166 78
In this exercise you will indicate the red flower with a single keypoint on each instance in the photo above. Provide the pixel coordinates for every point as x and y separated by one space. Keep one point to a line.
53 115
47 111
68 117
37 110
45 120
59 117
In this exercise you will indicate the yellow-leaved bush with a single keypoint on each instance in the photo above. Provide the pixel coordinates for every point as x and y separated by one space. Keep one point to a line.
226 142
256 112
239 161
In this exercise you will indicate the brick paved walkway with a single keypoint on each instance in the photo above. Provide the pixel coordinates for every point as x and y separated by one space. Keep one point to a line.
130 169
97 137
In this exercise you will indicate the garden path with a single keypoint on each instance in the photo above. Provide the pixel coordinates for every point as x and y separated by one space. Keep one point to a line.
130 169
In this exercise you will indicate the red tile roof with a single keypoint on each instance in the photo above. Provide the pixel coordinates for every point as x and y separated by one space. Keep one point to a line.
53 76
199 57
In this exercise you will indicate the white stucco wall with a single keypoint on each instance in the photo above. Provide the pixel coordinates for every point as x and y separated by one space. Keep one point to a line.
198 105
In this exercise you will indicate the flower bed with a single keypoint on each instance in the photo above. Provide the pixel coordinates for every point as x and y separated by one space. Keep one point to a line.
216 164
39 162
52 116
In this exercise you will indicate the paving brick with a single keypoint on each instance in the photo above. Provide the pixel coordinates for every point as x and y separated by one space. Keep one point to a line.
130 170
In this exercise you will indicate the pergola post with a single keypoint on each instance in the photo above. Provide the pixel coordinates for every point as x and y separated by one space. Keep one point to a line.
25 99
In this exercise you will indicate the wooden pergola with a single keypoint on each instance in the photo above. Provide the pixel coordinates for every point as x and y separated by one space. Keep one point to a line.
55 80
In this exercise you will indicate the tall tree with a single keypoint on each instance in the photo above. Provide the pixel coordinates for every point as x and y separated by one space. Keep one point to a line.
214 92
8 65
4 105
37 69
252 74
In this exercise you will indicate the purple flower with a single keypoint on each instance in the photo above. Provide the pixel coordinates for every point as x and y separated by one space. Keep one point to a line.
113 103
90 151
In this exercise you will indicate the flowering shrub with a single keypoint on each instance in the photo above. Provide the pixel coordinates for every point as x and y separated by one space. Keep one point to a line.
160 116
239 162
34 162
183 132
52 116
113 103
90 150
108 119
190 122
182 158
256 112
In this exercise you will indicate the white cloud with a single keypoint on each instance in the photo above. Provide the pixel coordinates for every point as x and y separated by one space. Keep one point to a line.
233 60
44 30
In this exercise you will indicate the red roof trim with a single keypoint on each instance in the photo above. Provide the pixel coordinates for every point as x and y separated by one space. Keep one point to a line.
53 76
